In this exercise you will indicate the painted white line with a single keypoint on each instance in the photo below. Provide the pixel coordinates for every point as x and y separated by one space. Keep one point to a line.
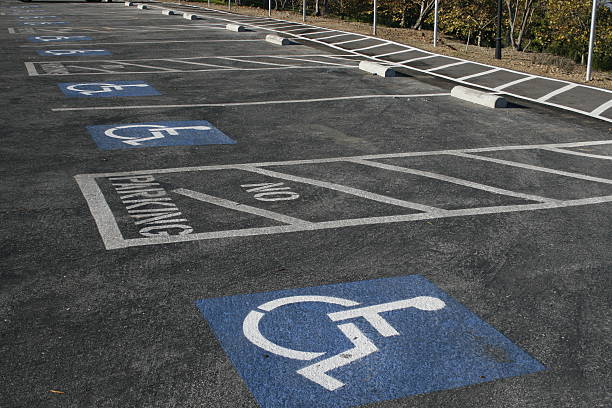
283 26
602 108
575 153
316 32
11 30
371 46
203 64
490 71
221 69
416 59
103 215
536 168
31 69
308 28
204 105
340 223
394 52
364 157
258 62
348 190
515 82
314 60
331 36
446 66
232 205
557 92
142 66
98 71
350 41
453 180
192 58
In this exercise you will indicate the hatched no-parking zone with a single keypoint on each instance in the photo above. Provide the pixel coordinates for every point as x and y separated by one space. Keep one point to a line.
206 202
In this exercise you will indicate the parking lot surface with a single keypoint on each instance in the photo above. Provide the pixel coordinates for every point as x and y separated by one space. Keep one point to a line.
196 217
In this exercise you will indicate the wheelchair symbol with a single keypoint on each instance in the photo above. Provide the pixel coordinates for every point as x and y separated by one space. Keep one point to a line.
363 345
103 87
156 131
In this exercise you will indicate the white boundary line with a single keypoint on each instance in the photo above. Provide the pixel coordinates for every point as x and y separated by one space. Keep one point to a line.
516 82
453 180
575 153
536 168
392 53
232 205
212 105
557 92
490 71
72 44
344 189
602 108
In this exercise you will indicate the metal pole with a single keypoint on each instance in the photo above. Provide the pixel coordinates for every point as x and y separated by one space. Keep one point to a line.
269 8
208 3
374 19
589 73
229 5
304 11
498 40
435 40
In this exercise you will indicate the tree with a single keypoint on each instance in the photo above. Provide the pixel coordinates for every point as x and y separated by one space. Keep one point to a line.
520 18
567 26
469 18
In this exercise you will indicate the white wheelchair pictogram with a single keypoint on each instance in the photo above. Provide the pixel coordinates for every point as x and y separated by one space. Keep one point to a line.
73 52
104 87
156 131
317 372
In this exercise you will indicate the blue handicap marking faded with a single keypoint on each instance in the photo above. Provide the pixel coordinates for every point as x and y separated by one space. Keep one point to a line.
108 89
184 133
64 53
355 343
53 38
37 23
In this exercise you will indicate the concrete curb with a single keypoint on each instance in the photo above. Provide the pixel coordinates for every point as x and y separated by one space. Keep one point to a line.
479 97
275 39
235 27
142 7
128 4
167 12
190 16
376 69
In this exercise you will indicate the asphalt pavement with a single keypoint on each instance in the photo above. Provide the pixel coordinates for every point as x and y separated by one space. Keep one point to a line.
196 217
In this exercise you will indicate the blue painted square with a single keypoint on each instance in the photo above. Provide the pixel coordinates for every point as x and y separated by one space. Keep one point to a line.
136 135
58 38
107 89
71 53
355 343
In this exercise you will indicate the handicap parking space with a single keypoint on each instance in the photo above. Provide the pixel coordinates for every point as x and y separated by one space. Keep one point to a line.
196 217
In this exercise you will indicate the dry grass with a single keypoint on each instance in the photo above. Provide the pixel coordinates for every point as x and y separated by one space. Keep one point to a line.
530 62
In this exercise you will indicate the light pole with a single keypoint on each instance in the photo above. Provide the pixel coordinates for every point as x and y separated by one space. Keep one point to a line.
374 20
498 40
304 11
435 37
589 73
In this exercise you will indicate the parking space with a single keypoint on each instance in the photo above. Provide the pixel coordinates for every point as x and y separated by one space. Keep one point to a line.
197 217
